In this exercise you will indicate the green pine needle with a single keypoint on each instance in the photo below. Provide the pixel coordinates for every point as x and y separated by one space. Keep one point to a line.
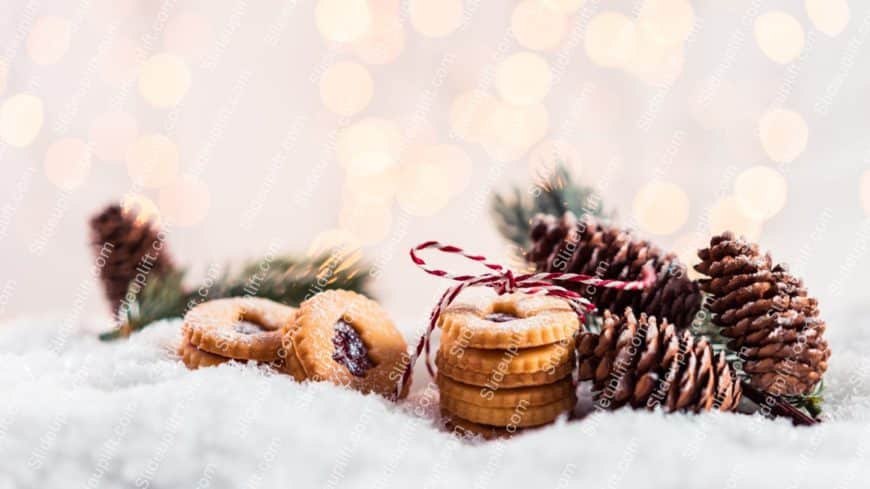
286 279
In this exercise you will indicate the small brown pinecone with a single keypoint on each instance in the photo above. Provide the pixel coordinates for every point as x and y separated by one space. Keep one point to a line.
124 247
589 247
774 325
645 364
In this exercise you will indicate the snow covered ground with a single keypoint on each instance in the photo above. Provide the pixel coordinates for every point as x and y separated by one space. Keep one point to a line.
78 413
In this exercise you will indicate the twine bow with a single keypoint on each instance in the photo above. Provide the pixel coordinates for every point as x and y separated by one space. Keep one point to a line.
503 281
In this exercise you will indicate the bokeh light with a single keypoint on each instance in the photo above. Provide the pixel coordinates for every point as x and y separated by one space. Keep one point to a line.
511 130
469 113
152 161
780 36
342 20
829 16
369 222
111 134
48 40
164 80
668 22
661 207
21 118
761 192
184 202
686 247
346 88
537 26
563 6
783 134
523 78
654 62
142 207
728 215
383 42
369 146
333 239
450 159
424 189
378 188
435 18
67 163
610 39
189 34
120 64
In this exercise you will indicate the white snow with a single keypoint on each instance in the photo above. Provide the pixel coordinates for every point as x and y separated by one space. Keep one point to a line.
75 412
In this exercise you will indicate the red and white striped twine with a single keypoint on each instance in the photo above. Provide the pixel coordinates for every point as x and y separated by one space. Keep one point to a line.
503 281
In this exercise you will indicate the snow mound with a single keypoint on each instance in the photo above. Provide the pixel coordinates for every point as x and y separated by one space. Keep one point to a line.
75 412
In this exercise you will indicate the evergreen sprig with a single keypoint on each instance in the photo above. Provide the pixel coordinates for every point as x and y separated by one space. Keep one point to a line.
287 279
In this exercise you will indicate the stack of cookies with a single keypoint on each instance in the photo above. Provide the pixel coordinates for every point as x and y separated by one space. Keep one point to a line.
241 328
506 363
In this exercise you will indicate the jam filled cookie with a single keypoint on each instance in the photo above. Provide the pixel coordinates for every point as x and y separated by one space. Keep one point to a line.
512 321
194 358
243 328
346 338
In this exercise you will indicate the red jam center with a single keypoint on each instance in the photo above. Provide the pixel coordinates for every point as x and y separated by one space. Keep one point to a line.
350 350
247 327
500 317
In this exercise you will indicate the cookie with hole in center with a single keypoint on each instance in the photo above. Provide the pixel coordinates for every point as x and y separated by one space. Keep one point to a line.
509 321
346 338
194 358
243 328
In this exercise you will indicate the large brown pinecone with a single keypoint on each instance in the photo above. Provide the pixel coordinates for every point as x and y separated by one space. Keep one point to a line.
646 364
125 246
566 244
774 326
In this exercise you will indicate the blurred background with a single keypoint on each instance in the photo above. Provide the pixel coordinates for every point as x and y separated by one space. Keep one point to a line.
254 126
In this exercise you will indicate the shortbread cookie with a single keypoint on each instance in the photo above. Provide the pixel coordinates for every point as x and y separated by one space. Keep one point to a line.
545 358
538 395
244 328
346 338
511 321
469 429
289 362
502 380
194 358
519 416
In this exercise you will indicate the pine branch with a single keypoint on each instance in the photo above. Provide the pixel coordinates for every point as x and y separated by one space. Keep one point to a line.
286 279
554 193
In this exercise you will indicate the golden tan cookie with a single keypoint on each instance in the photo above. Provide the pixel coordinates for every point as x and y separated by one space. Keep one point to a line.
469 429
195 358
502 380
511 321
244 328
537 395
346 338
514 361
519 416
289 363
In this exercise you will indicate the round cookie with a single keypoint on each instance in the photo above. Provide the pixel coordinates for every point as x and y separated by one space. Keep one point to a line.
244 328
538 395
546 358
506 380
289 363
519 416
469 429
346 338
510 321
194 358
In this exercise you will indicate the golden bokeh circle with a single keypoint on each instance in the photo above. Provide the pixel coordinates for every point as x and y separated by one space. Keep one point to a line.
828 16
383 42
21 118
761 192
469 113
346 88
784 134
164 80
780 36
611 39
537 26
152 161
523 78
342 20
369 222
424 189
184 202
669 22
661 208
369 146
727 215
